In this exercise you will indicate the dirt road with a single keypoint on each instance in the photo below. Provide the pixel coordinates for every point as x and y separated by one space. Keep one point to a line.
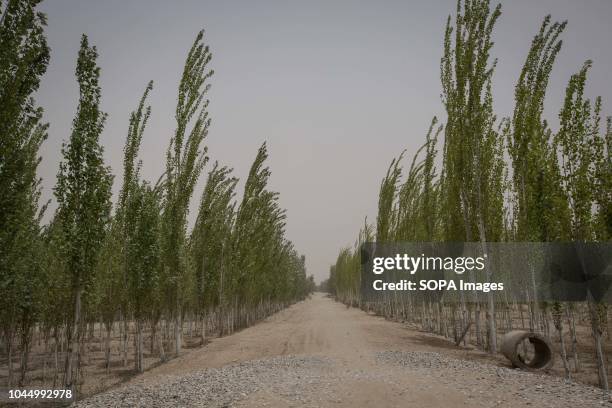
318 353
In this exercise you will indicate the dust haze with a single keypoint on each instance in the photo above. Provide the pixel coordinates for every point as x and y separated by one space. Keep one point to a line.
336 88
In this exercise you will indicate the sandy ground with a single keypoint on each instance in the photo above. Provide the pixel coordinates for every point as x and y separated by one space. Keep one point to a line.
319 326
350 340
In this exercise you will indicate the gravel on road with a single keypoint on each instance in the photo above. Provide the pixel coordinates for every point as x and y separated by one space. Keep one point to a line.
318 353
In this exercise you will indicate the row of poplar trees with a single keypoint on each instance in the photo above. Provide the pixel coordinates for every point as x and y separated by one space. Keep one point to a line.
134 263
512 179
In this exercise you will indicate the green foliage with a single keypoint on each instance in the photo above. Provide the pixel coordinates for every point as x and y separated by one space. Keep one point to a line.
603 184
540 211
83 192
24 56
418 195
211 236
345 274
138 215
473 150
585 170
143 249
109 292
561 183
264 264
140 263
185 160
83 187
387 195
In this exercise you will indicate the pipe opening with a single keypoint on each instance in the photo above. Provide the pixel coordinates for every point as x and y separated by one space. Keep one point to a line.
527 350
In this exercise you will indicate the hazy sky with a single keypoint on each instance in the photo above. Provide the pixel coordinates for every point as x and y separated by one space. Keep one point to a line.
336 88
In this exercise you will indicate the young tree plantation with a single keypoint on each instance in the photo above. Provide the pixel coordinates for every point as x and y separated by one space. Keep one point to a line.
100 286
501 179
134 267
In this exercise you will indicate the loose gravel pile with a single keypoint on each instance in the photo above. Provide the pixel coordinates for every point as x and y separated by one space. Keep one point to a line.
490 385
309 381
220 387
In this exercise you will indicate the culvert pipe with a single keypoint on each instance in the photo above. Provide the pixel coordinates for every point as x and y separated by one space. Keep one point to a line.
543 355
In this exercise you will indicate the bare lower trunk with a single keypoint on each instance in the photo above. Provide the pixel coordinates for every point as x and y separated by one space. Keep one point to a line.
596 331
56 352
535 309
152 339
138 356
203 330
9 353
73 348
566 368
492 326
160 339
178 329
25 352
572 325
44 369
124 340
107 347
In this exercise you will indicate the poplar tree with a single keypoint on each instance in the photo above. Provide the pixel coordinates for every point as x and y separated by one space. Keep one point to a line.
24 56
109 294
83 194
429 207
473 148
185 159
211 238
143 256
535 173
86 267
386 201
138 214
257 204
541 212
602 176
416 201
560 187
585 170
265 267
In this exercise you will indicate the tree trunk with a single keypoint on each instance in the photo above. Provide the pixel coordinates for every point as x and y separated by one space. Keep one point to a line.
25 353
160 339
572 325
9 349
203 332
492 329
56 352
178 328
73 350
566 368
124 340
107 347
596 331
138 354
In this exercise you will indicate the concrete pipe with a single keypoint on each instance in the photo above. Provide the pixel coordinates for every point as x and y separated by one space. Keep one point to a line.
542 350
